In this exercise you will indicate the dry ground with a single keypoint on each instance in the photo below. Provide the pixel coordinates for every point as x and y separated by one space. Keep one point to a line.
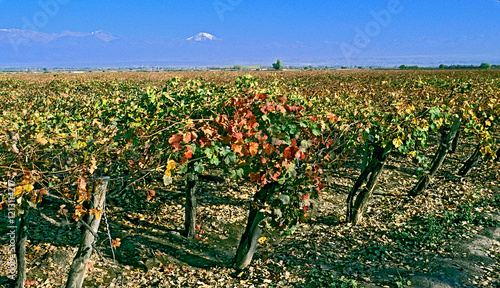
401 241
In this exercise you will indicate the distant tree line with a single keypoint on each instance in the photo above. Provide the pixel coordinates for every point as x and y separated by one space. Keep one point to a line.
483 66
404 67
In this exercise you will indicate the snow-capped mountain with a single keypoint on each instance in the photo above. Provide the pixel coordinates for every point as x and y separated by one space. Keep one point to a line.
104 36
202 36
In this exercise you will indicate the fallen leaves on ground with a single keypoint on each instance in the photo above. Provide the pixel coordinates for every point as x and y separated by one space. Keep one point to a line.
392 245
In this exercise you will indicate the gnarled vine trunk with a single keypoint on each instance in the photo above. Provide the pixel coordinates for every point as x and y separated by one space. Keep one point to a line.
78 268
439 157
471 162
454 144
367 154
22 221
248 242
371 174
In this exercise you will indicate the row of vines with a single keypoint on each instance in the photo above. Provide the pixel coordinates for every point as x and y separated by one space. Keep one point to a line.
67 137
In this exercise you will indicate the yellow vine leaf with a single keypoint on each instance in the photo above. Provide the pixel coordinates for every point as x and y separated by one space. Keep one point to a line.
439 122
96 212
18 191
397 142
40 139
93 167
80 144
28 187
171 165
486 150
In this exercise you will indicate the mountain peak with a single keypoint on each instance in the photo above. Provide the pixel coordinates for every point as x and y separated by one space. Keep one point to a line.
104 35
202 36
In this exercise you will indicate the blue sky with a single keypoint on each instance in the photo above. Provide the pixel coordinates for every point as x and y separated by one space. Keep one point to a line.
469 27
279 20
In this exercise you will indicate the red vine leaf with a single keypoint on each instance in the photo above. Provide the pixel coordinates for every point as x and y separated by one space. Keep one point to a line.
254 148
175 139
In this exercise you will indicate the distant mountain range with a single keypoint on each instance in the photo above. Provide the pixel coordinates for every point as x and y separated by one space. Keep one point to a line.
26 36
25 48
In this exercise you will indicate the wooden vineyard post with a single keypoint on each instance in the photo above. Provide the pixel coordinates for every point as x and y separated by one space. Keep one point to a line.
248 242
191 206
22 221
372 172
192 183
444 147
79 266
